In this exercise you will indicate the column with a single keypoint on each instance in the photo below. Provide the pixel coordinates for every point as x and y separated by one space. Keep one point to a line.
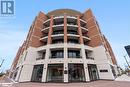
44 75
65 51
79 30
50 31
65 29
45 68
65 63
85 64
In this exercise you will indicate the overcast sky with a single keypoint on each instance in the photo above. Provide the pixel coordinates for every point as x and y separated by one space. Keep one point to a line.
113 17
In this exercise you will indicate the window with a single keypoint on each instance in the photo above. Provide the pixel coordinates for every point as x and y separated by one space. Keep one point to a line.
57 54
74 54
41 55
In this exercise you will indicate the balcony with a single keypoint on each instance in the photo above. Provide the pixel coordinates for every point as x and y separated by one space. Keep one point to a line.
71 17
44 39
83 23
45 25
47 21
86 38
58 21
58 32
84 29
45 29
73 41
71 20
72 32
58 41
58 17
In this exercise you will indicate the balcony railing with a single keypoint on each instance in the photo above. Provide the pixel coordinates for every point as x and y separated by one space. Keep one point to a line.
54 33
72 33
58 23
75 33
71 23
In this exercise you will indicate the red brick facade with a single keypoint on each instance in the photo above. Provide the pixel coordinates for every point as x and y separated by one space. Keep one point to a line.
35 33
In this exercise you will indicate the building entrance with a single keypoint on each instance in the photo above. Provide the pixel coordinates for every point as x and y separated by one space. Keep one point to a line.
76 73
93 73
55 73
37 73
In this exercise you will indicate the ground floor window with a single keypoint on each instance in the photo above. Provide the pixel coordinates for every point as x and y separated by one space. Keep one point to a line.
37 73
55 73
93 72
76 72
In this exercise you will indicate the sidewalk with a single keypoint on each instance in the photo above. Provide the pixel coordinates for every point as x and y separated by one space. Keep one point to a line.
123 77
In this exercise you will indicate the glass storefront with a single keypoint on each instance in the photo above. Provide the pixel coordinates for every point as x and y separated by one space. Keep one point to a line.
37 73
76 73
55 73
93 73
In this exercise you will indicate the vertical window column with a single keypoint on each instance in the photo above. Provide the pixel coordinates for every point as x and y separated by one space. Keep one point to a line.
50 31
79 30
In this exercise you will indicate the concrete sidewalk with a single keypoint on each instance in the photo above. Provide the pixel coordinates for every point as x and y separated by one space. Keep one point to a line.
121 81
123 77
100 83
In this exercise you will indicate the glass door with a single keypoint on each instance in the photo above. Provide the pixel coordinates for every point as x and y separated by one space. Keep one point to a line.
37 73
93 73
55 73
76 73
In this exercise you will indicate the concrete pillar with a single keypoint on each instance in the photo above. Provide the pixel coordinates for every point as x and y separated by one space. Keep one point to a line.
65 72
85 64
86 72
44 75
79 30
65 63
50 31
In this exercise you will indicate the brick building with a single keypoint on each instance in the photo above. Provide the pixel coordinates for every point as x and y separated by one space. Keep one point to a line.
64 45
